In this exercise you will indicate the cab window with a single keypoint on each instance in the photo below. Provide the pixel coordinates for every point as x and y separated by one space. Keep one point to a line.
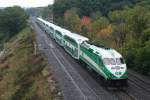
120 61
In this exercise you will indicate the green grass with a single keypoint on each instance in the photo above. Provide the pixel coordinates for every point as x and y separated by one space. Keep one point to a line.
23 75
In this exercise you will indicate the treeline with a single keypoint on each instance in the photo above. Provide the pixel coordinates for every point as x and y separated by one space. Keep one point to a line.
121 24
12 20
87 7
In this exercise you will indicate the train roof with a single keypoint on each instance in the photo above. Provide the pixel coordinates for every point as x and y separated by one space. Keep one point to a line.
102 51
64 31
39 18
105 52
51 24
58 28
47 23
78 38
42 20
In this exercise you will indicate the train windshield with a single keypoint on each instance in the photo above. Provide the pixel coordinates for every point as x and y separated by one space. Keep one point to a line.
109 61
113 61
119 61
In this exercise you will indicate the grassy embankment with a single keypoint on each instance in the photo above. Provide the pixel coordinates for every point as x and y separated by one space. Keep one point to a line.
23 75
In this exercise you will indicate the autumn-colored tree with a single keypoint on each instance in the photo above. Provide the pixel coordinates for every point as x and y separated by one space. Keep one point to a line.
97 26
86 25
72 20
85 20
106 32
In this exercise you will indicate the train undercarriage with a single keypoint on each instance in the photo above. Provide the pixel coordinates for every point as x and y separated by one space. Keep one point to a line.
116 84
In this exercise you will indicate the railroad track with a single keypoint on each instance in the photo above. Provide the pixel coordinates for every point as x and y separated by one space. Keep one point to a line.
141 87
118 94
123 95
139 82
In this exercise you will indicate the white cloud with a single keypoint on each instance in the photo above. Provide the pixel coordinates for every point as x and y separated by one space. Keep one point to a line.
25 3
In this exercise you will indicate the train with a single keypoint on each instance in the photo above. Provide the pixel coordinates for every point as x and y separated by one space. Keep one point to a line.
104 61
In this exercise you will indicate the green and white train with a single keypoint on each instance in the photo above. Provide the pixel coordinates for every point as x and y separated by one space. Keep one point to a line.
106 62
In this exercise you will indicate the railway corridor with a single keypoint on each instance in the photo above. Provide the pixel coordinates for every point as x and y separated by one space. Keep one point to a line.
76 82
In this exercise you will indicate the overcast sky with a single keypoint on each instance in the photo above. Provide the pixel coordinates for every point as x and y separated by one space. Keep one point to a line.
25 3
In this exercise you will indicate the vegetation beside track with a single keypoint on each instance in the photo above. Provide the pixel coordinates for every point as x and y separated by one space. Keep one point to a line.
24 75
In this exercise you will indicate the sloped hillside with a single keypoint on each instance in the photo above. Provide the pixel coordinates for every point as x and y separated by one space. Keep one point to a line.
24 75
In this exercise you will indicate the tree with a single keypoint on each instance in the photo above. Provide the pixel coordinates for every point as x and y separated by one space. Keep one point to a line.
59 8
12 20
99 24
47 13
72 20
142 58
85 25
96 15
139 20
119 34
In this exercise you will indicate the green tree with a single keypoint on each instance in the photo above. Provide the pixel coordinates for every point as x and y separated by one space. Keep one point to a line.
119 34
142 58
12 20
99 24
139 20
59 8
96 15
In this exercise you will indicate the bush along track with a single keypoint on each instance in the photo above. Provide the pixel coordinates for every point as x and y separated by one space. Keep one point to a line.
24 75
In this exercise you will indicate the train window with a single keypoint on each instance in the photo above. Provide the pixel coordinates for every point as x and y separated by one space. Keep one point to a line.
59 33
112 61
85 44
122 60
72 41
106 61
119 61
109 61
